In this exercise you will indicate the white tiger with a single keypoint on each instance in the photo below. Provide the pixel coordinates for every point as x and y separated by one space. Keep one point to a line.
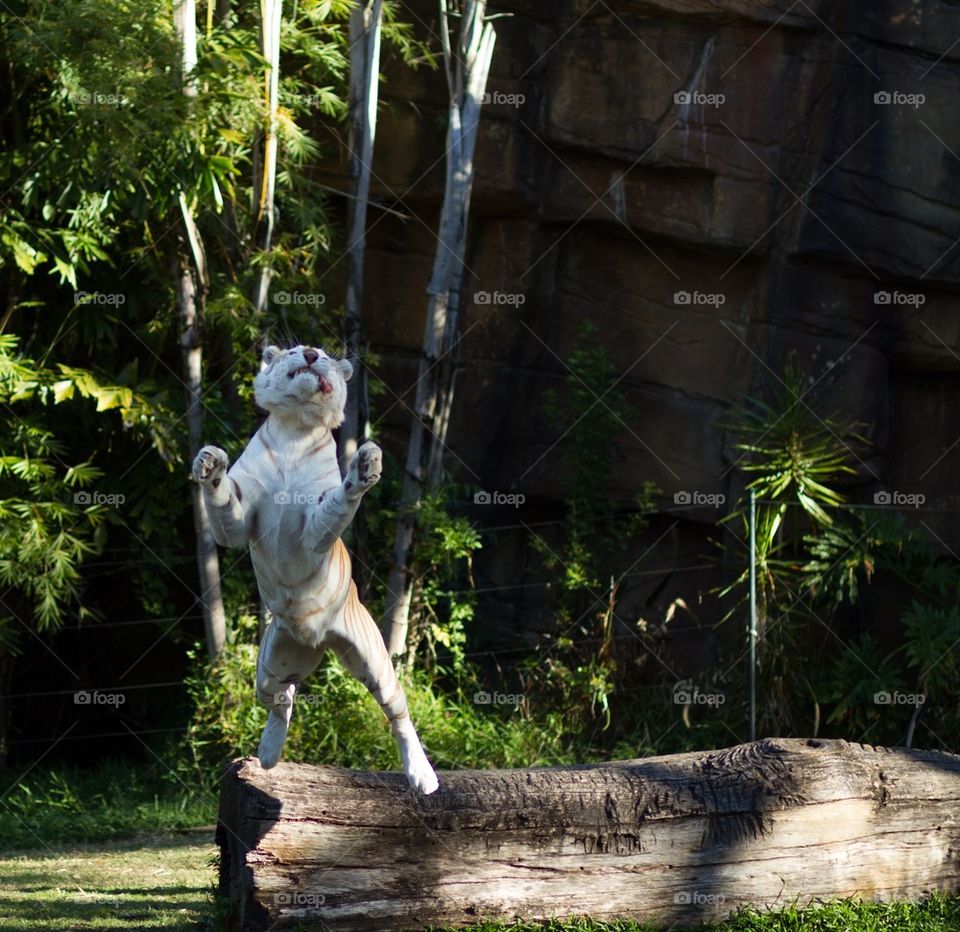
284 498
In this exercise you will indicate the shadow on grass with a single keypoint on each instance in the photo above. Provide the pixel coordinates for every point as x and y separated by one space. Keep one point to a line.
108 886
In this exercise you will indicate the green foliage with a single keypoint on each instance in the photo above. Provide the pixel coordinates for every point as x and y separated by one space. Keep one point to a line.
98 149
841 558
336 721
931 633
924 660
796 453
103 143
49 522
443 558
443 602
849 684
100 146
115 799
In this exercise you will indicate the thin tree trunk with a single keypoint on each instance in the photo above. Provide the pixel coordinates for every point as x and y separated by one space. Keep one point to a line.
233 249
190 287
365 28
185 26
270 17
208 560
467 68
265 169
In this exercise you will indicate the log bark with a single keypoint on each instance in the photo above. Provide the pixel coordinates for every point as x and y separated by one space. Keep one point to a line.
675 840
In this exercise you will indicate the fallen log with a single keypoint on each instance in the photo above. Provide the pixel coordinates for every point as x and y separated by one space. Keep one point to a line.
673 840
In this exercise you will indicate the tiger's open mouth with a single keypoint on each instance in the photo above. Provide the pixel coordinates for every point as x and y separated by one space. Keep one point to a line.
323 384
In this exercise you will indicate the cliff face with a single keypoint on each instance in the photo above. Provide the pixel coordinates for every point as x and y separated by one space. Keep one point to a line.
715 184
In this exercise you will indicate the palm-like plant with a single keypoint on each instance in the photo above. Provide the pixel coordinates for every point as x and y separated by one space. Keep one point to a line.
794 457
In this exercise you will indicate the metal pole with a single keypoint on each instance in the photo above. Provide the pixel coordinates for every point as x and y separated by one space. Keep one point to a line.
752 671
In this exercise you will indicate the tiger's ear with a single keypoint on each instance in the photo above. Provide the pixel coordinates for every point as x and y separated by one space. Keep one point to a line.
270 353
346 369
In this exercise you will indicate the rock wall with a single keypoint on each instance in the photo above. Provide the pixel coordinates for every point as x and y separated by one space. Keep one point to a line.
715 184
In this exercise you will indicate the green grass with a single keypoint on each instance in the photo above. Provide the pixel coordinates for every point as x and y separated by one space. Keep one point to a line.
936 914
155 882
116 799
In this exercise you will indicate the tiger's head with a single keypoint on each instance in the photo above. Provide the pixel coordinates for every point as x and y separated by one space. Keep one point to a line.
303 384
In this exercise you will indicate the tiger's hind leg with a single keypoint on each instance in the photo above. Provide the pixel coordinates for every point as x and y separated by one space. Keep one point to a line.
356 640
282 664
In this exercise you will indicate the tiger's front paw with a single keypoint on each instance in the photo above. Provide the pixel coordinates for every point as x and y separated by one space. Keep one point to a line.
210 466
364 471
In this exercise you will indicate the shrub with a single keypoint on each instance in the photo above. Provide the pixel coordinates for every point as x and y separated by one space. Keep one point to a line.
336 721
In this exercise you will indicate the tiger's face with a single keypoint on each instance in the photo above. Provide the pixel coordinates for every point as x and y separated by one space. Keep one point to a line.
303 383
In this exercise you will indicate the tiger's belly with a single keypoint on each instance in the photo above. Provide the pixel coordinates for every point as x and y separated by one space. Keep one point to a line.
304 591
